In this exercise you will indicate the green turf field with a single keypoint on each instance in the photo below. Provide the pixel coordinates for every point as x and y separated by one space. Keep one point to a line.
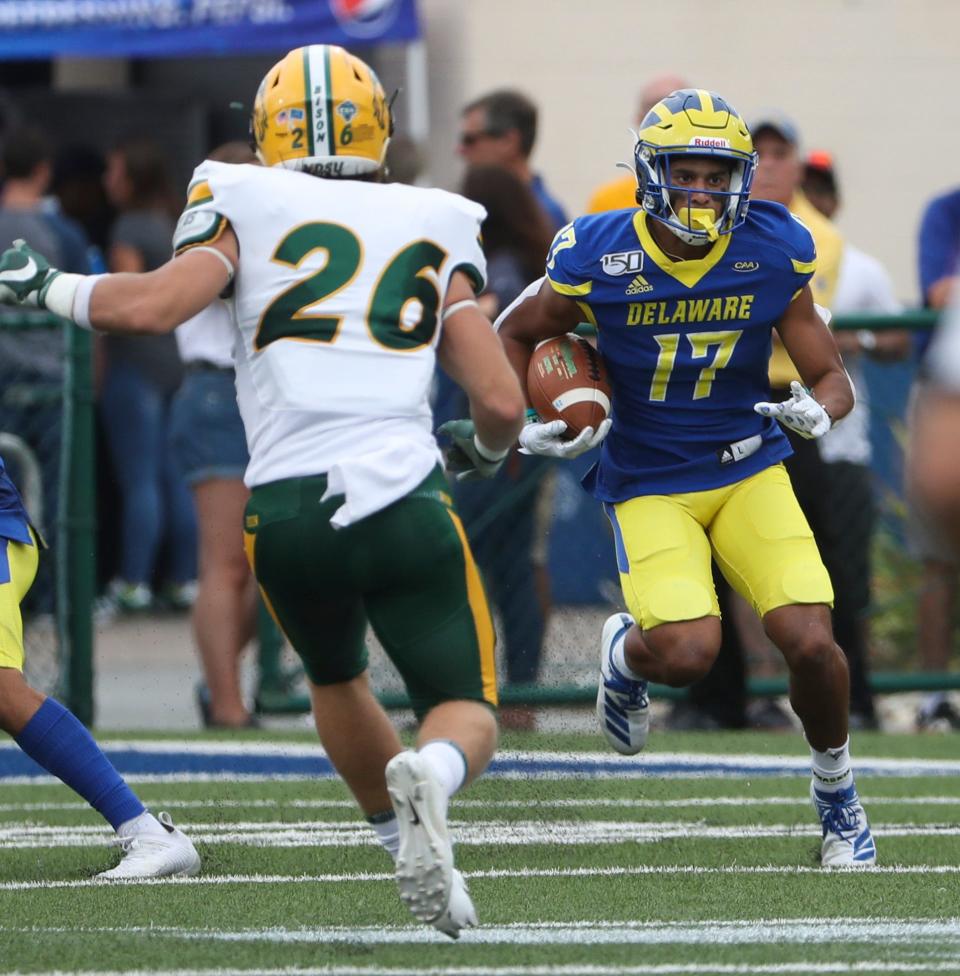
608 875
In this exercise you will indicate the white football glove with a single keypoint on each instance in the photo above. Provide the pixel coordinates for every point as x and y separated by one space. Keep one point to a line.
547 439
801 413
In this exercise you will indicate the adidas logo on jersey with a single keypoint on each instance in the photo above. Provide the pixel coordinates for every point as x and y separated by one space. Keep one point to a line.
638 286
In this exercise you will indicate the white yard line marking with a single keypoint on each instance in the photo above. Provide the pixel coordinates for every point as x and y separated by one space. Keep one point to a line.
803 931
663 969
366 876
561 803
352 833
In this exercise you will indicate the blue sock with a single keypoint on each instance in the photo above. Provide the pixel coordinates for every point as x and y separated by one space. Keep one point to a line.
56 739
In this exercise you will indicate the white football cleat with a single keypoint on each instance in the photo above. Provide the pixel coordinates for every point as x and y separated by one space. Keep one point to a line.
429 886
847 841
623 709
459 913
153 848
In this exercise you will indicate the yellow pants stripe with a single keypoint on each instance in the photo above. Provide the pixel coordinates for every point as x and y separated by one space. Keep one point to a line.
249 546
482 620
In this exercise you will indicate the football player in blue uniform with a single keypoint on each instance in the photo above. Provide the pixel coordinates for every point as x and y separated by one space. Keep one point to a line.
684 293
54 738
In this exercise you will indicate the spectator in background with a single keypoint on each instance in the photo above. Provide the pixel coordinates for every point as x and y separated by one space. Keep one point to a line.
622 192
31 363
78 186
832 476
500 129
863 286
141 375
501 515
211 447
820 182
938 252
405 160
933 471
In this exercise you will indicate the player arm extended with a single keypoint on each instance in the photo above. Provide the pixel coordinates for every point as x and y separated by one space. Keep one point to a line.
474 359
156 302
814 352
537 314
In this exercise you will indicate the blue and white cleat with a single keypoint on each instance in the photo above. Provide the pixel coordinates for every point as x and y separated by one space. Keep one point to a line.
847 841
623 709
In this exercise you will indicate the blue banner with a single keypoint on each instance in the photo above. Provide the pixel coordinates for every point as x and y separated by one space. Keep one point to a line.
175 28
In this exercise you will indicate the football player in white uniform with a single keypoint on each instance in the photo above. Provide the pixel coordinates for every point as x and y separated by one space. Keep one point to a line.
345 291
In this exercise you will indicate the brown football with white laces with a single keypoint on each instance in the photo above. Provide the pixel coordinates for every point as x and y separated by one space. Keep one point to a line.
566 380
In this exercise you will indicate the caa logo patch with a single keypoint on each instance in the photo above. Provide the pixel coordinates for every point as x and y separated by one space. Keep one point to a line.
364 18
622 263
746 265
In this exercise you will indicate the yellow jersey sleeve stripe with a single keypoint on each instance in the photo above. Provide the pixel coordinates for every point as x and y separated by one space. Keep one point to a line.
804 267
198 194
588 314
571 290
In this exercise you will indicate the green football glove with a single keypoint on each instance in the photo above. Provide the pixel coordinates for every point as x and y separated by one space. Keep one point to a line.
466 457
25 276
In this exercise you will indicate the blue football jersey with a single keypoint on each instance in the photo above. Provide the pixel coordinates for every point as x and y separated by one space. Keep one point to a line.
14 523
686 345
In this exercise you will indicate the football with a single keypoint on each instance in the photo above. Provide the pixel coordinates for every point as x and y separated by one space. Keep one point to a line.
566 381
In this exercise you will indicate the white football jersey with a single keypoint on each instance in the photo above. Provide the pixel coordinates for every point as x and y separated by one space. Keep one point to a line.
337 299
209 337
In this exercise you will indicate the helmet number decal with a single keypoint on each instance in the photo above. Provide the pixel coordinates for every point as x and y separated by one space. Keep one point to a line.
402 314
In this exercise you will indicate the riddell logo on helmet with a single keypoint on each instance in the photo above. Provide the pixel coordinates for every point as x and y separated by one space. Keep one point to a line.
710 143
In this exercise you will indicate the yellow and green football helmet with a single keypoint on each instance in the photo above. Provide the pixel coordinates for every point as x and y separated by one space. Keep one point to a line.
323 111
692 121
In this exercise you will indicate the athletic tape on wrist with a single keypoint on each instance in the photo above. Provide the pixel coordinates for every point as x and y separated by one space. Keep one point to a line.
80 312
58 297
487 453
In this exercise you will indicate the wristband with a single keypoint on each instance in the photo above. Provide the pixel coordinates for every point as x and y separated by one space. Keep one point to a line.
58 297
81 300
531 416
487 453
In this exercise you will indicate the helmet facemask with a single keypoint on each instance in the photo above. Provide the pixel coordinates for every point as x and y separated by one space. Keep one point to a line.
696 226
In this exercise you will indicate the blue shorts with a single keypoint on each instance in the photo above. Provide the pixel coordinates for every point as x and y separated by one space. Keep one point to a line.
205 427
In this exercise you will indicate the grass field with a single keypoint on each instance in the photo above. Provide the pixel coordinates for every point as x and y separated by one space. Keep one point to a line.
698 857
